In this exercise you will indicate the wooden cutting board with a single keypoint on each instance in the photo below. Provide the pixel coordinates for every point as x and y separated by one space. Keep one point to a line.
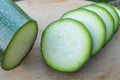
104 66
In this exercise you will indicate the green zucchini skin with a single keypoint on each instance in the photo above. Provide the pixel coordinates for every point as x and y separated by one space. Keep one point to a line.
16 0
12 19
118 11
106 1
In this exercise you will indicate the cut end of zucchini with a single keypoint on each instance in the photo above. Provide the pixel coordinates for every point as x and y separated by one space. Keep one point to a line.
20 45
66 45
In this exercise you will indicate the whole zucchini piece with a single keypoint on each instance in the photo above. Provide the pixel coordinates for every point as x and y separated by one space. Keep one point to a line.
17 34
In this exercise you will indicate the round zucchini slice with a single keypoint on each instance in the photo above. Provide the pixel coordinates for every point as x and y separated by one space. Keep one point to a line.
66 45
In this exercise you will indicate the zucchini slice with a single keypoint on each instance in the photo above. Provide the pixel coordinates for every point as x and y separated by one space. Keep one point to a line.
66 45
18 33
113 12
106 1
93 23
106 17
118 11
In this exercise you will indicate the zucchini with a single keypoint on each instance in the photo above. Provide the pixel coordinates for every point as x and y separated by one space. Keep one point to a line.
94 24
106 17
16 0
113 12
118 11
106 1
66 45
17 34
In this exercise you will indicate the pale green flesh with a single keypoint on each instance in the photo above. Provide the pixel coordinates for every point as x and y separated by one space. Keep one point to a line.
66 45
19 46
93 23
112 11
106 17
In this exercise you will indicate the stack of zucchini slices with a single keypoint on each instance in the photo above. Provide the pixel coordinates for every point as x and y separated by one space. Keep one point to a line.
68 43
